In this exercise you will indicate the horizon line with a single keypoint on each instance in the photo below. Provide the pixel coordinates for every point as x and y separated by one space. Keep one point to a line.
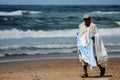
69 4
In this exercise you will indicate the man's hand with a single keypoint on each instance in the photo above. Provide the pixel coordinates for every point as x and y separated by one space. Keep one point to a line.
93 38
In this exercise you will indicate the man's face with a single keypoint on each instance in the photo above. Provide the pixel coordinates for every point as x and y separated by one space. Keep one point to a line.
87 21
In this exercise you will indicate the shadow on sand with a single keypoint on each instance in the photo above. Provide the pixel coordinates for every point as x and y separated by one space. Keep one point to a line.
106 76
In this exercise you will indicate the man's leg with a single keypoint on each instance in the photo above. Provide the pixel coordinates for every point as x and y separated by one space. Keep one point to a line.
85 69
102 69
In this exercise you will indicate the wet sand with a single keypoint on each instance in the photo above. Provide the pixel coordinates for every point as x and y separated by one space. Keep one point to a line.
56 69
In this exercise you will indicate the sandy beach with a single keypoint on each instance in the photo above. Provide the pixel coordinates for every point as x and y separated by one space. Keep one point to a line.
56 69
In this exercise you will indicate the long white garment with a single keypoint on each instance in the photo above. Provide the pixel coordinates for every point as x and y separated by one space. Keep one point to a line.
87 52
100 49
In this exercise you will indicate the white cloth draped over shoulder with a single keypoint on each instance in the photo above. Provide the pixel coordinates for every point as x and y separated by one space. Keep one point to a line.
85 34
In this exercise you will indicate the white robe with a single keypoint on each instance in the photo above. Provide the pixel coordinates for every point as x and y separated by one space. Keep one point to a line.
86 34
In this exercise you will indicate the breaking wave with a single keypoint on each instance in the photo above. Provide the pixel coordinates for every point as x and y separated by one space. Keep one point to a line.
18 13
117 22
15 33
103 12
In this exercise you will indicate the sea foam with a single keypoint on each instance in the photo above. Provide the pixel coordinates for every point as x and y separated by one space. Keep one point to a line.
15 33
18 13
103 12
117 22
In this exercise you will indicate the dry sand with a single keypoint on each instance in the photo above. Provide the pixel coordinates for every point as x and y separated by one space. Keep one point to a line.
56 69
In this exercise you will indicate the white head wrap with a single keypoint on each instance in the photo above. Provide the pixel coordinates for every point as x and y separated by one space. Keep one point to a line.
86 16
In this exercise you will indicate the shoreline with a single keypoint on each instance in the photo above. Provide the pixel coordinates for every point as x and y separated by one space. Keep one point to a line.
48 56
56 69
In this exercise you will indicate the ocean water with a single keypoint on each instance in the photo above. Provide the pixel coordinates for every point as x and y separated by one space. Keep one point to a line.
47 29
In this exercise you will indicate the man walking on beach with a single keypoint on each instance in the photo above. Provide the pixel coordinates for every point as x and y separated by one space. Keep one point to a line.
90 46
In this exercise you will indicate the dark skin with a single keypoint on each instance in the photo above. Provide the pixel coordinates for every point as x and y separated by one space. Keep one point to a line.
87 24
87 21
